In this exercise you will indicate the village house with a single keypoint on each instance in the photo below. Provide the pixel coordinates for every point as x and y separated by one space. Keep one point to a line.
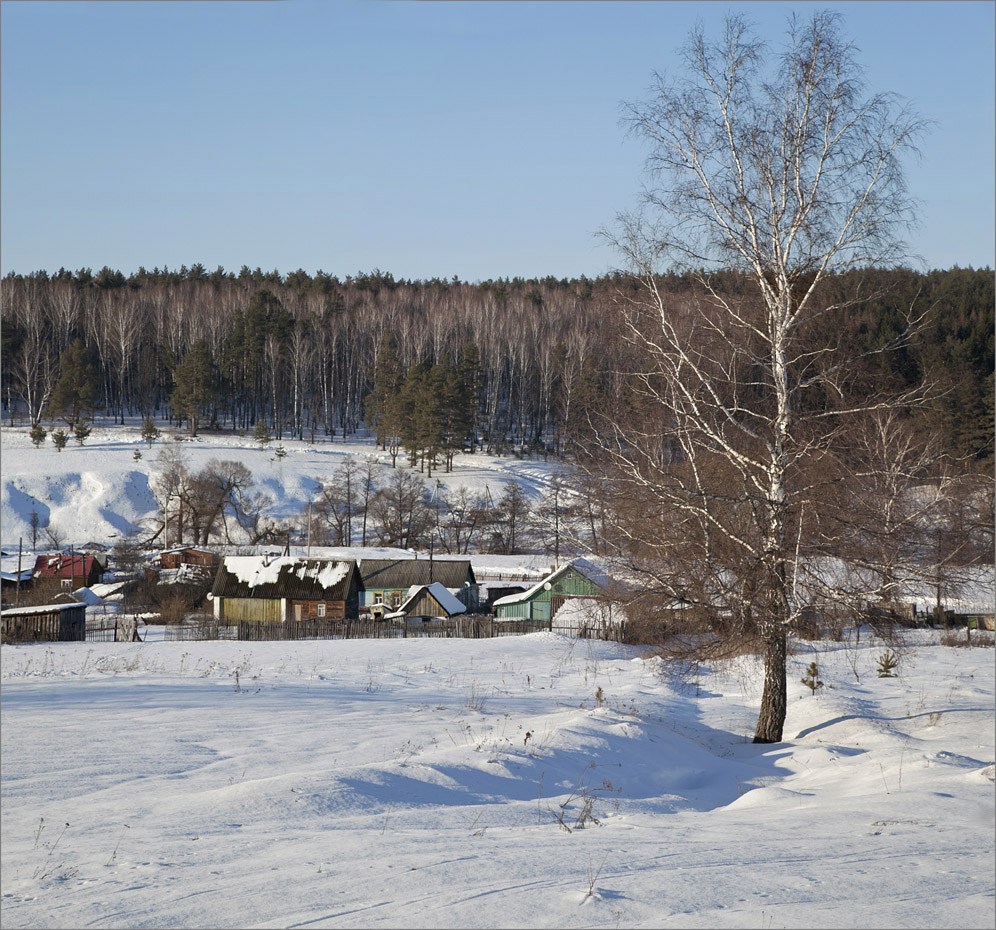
188 564
70 571
285 589
577 579
189 555
386 583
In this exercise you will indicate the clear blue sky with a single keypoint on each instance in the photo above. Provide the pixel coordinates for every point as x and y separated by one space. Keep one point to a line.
476 139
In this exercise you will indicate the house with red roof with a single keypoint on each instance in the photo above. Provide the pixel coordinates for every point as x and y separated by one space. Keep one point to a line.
72 571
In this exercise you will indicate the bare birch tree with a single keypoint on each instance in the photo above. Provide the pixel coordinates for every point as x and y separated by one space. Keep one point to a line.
776 178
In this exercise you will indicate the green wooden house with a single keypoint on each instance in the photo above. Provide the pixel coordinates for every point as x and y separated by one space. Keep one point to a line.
577 579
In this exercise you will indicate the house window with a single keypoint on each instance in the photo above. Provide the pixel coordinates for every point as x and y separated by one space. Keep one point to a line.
378 597
321 609
67 583
395 599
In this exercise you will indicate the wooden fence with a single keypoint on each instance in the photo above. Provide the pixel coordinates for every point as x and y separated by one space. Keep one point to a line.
203 628
116 630
471 627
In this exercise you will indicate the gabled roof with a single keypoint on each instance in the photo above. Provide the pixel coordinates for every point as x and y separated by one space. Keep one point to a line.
449 604
403 573
67 566
582 566
284 576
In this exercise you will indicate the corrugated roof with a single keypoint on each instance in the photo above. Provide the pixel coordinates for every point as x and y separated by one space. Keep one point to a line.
404 573
268 577
67 566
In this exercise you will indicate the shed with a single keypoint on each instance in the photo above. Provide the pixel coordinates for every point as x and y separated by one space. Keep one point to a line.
429 602
13 582
578 578
50 623
285 589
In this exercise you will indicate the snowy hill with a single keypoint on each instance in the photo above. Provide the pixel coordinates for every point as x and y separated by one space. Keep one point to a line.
99 492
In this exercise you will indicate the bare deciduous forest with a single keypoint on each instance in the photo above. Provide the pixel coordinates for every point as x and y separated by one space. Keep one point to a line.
507 365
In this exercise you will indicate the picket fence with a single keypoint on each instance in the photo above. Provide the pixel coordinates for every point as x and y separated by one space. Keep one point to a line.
469 627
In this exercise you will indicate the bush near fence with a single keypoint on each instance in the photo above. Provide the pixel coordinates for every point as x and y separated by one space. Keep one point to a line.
198 629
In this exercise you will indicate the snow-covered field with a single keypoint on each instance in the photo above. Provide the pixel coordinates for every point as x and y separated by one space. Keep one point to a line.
99 491
533 781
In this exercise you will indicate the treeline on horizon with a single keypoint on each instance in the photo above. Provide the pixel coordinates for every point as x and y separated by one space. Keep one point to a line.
434 366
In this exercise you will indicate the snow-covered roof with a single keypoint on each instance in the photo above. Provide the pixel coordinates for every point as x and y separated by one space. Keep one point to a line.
582 566
283 576
40 609
442 596
12 577
255 570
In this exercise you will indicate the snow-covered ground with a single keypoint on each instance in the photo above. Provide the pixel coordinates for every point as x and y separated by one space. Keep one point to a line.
532 781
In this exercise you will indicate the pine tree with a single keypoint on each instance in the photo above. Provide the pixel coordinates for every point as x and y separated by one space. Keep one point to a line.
195 384
150 432
75 393
416 408
470 374
380 407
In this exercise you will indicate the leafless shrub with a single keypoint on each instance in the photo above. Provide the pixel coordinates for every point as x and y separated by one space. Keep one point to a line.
957 639
173 608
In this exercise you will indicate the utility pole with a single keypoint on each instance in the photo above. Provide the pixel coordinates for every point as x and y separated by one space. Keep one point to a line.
17 596
432 538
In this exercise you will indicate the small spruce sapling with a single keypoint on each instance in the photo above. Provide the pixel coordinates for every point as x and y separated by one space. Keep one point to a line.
812 678
59 438
38 434
150 432
888 661
262 435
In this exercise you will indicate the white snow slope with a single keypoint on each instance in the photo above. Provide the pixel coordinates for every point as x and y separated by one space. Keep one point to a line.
533 781
98 492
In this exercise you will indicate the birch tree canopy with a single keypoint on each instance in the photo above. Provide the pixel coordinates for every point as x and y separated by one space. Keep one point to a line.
772 173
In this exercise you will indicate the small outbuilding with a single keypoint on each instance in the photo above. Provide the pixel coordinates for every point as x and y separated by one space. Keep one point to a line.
49 623
428 602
